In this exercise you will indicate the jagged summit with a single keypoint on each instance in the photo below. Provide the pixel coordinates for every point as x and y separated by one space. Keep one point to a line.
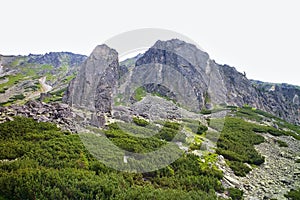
186 51
57 58
103 51
176 43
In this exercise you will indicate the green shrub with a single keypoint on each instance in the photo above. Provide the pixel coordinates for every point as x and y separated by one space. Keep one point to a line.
281 143
140 121
235 193
17 97
201 129
274 131
206 112
169 131
239 168
293 194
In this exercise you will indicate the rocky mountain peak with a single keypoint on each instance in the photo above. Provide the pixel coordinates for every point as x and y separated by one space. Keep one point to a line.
56 59
182 49
103 51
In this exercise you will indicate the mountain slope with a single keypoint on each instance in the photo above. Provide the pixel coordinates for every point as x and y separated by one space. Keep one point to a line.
26 77
220 125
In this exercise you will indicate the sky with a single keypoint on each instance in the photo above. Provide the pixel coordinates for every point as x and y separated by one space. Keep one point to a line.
261 38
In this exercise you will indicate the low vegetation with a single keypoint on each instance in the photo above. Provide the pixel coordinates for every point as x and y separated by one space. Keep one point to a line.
40 161
140 122
284 128
235 194
55 96
139 93
236 144
282 143
293 194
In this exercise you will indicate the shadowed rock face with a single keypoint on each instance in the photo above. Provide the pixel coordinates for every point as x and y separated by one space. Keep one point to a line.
178 66
92 88
198 77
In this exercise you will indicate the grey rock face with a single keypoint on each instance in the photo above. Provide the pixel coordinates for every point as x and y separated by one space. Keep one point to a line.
282 100
199 79
199 82
239 89
178 71
93 86
178 66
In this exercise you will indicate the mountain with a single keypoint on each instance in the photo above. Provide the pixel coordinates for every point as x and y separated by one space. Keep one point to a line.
74 127
180 72
26 77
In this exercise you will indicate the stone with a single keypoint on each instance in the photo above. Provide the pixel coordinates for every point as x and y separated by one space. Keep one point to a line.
232 180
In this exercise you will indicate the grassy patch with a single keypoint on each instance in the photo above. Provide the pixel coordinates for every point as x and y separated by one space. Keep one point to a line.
12 80
55 96
282 143
69 78
253 114
139 93
47 67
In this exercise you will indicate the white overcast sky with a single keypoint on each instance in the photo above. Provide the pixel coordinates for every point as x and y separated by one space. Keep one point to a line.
261 37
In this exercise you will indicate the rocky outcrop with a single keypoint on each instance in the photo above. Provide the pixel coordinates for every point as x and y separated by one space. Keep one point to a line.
58 113
94 84
194 77
282 100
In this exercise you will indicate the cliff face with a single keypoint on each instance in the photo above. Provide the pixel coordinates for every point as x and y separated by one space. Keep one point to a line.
178 66
178 71
93 86
212 84
197 76
282 100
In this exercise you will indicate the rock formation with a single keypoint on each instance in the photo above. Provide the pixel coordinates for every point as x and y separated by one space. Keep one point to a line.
92 88
178 71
